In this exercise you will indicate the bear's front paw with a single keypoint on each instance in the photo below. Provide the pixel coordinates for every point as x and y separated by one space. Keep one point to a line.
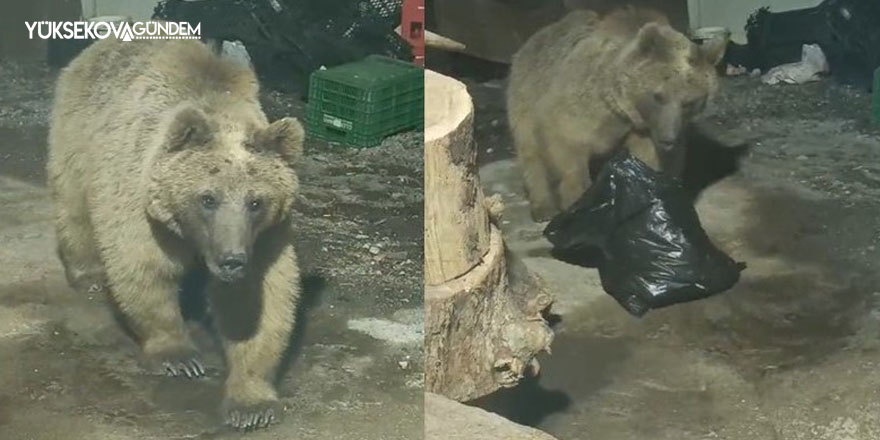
249 417
179 361
542 214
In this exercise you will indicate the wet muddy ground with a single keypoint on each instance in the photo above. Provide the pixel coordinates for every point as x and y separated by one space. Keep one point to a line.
67 371
790 353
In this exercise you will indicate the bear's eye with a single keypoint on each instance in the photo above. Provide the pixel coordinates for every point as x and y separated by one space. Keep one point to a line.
208 201
255 205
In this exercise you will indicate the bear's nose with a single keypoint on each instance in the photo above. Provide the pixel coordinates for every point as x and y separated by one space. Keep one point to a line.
233 262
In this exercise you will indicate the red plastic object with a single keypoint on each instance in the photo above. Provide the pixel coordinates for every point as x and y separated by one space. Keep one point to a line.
412 28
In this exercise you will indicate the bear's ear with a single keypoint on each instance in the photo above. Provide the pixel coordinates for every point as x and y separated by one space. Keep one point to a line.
188 128
284 137
650 41
713 50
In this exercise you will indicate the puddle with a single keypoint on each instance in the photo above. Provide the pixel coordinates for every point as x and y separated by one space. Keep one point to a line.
579 367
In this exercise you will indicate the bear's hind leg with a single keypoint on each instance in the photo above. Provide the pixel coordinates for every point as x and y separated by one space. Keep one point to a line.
536 177
256 336
77 249
539 192
569 152
574 182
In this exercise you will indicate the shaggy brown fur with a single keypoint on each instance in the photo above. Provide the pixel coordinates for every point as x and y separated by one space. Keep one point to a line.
587 85
160 159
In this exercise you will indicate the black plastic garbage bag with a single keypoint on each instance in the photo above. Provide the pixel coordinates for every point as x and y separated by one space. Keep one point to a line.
640 228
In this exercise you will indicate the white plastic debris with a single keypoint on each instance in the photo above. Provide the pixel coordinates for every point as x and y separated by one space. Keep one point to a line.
235 50
708 33
275 5
736 70
810 68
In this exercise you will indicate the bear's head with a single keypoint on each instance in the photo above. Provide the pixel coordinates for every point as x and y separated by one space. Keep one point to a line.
668 81
219 182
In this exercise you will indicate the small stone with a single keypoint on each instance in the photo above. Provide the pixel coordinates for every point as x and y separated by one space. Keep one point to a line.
361 237
495 123
374 250
400 255
802 157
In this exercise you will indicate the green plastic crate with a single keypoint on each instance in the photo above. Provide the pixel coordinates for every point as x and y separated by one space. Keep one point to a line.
361 103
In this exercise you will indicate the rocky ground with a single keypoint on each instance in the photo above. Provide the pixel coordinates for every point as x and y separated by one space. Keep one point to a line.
790 353
67 371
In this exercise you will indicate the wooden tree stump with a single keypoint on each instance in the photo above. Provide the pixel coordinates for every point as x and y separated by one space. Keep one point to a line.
456 221
482 331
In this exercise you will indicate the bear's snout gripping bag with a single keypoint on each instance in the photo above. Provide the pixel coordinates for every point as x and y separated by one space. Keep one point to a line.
640 228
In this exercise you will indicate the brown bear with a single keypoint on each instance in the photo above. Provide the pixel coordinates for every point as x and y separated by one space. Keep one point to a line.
161 160
586 86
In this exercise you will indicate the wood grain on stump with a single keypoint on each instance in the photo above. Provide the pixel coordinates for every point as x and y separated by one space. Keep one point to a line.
456 222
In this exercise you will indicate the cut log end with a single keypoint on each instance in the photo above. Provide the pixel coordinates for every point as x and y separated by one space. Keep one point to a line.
439 42
446 419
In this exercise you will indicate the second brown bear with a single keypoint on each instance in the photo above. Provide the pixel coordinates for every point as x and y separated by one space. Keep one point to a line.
586 86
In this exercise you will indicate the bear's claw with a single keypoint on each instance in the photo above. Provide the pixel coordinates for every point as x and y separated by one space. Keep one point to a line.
87 282
191 368
252 417
180 362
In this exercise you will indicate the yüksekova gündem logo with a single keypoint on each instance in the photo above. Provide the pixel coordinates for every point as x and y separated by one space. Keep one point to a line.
99 30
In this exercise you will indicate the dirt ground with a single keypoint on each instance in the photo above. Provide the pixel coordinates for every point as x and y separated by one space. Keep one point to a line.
68 372
790 353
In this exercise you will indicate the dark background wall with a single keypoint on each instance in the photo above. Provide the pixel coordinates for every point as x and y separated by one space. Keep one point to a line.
494 29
